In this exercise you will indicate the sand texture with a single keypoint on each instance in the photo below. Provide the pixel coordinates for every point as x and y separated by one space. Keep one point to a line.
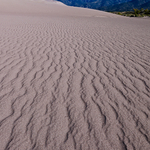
72 78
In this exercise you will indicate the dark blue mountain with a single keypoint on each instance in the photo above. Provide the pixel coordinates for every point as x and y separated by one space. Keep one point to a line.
95 4
128 6
109 5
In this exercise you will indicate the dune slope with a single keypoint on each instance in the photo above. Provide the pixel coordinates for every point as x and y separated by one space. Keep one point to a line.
72 78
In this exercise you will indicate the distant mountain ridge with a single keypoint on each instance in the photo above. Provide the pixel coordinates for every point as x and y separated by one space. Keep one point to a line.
109 5
128 6
95 4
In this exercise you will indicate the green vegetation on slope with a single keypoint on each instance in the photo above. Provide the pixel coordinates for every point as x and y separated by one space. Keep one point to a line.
135 13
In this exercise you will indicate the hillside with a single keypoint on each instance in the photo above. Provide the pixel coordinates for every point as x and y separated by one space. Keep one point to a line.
95 4
72 78
109 5
128 6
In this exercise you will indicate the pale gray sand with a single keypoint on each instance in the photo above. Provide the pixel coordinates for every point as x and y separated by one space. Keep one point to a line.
73 79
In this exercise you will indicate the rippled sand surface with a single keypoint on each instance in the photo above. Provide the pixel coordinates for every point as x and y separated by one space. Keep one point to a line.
72 78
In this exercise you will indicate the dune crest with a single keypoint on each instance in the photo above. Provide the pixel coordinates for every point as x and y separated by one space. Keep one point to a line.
72 78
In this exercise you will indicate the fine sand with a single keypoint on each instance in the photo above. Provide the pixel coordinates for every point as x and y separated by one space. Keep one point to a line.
72 78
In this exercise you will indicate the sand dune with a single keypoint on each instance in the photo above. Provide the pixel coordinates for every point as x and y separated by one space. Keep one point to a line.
72 78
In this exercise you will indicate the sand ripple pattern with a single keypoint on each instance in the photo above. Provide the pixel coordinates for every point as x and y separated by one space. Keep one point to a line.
79 83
